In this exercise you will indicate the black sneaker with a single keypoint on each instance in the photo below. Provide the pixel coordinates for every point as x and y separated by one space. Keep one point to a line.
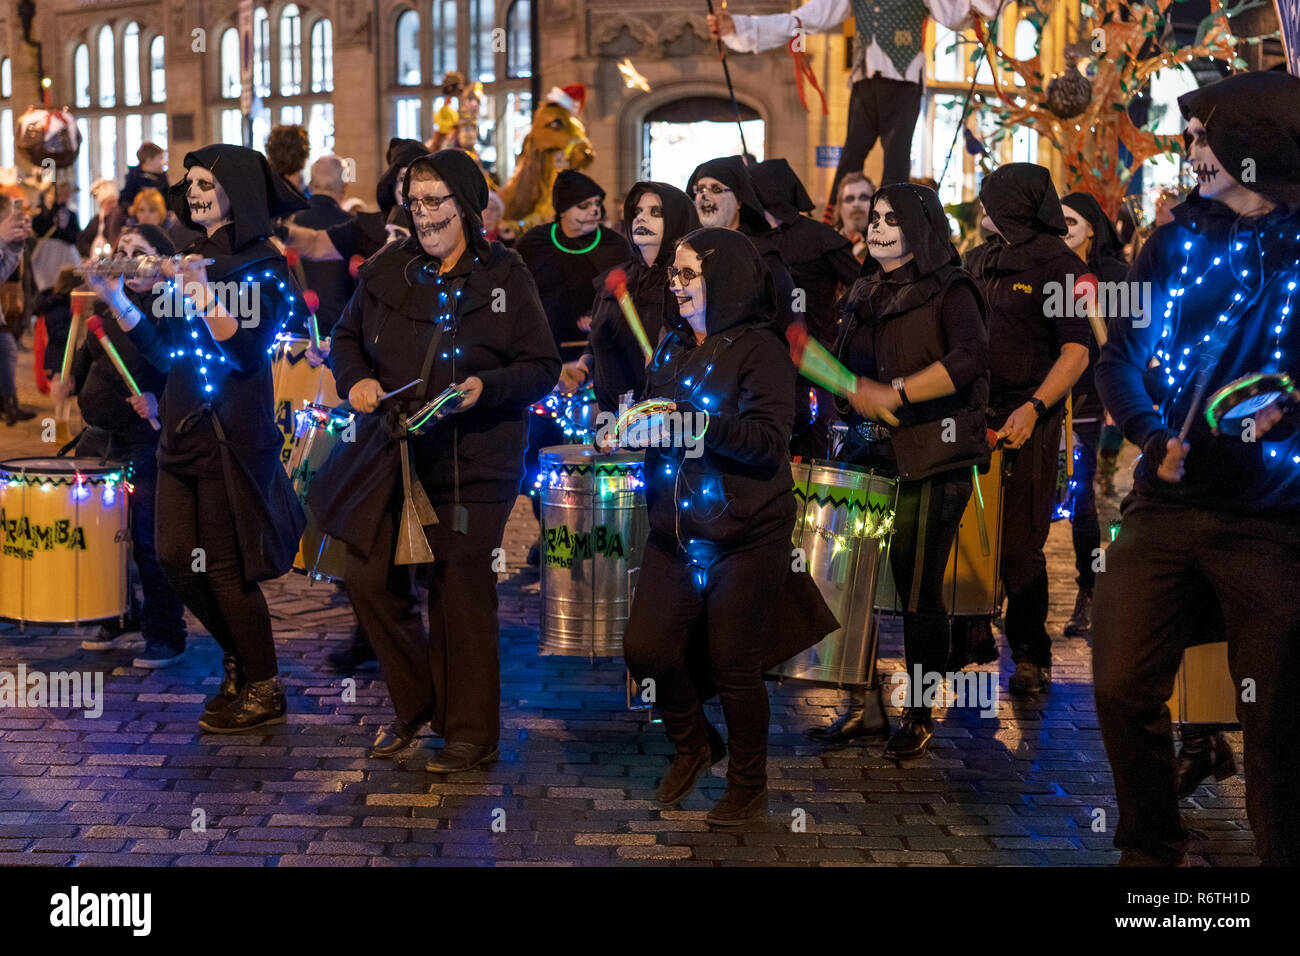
113 636
159 655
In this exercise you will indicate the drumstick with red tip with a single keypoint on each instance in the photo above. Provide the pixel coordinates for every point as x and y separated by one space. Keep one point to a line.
95 325
616 282
816 363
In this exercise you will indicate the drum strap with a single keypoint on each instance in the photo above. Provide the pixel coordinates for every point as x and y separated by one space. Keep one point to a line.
918 565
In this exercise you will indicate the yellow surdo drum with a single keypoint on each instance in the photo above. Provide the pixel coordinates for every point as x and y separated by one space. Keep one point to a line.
65 539
844 516
296 383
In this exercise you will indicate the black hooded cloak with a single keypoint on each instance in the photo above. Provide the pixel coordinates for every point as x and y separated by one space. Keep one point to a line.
1106 261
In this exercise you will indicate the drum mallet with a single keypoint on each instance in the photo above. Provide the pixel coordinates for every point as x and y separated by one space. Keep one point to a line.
616 283
95 325
992 438
81 301
816 363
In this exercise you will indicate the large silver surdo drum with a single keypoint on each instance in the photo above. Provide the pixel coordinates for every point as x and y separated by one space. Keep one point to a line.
844 517
594 529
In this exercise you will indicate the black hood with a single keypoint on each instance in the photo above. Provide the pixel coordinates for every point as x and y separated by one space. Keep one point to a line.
732 172
1106 243
1256 117
257 195
780 190
401 152
462 176
1022 202
738 288
679 217
924 225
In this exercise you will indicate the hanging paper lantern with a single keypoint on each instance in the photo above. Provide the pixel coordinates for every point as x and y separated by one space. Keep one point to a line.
48 134
1070 92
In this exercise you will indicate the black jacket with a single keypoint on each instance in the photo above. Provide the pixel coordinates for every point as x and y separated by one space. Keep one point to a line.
56 307
385 333
564 278
328 278
101 393
738 493
1226 473
618 362
136 180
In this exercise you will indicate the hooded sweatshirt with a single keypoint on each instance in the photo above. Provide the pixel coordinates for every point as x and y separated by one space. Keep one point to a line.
1106 261
732 172
1248 271
900 322
820 258
738 493
229 379
564 269
618 362
1014 271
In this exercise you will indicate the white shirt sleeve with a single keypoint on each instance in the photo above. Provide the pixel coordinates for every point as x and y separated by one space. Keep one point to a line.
755 34
955 14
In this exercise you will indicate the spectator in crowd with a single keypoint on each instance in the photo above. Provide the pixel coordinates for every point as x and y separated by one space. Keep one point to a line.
287 149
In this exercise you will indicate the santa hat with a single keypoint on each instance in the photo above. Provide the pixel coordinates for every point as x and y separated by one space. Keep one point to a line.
571 97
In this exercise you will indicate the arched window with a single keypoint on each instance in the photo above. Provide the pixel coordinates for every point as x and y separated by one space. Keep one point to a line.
261 53
107 86
290 51
157 70
6 78
131 65
482 62
230 63
519 46
444 38
6 113
81 75
408 49
1026 46
322 57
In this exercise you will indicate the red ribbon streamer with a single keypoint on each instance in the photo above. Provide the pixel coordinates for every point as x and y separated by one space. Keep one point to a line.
803 68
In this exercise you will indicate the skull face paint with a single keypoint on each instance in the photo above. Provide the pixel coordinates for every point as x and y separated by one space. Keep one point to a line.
716 204
439 230
1214 182
209 204
648 225
885 240
1080 230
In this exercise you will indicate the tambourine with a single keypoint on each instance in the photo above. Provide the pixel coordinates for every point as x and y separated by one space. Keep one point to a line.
1247 395
132 267
638 426
446 402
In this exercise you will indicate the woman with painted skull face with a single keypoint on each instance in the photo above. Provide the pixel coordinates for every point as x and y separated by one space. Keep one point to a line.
655 216
430 308
232 517
716 600
913 329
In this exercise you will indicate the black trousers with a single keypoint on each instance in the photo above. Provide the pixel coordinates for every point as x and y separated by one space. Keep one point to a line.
1166 563
1085 527
880 109
1028 494
452 677
925 523
728 611
197 515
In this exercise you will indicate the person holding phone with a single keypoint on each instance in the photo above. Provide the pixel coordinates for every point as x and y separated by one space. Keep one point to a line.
15 228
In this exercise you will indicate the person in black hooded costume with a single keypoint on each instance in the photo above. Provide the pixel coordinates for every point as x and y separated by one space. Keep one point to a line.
220 482
715 578
655 216
428 307
914 329
1093 239
1213 521
1034 361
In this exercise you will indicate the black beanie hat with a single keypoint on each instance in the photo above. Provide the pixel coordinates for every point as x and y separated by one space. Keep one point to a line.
154 236
572 187
465 180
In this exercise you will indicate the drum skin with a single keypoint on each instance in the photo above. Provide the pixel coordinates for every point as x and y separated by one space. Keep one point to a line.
843 521
971 585
594 530
294 383
317 430
65 538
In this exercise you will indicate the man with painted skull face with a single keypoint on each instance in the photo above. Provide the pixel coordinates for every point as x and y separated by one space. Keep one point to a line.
655 216
913 329
232 516
1214 518
1036 354
429 307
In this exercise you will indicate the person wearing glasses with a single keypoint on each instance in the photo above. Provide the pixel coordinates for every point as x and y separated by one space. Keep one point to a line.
716 591
429 307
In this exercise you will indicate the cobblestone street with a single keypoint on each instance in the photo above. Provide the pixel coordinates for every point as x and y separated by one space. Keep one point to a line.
577 769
